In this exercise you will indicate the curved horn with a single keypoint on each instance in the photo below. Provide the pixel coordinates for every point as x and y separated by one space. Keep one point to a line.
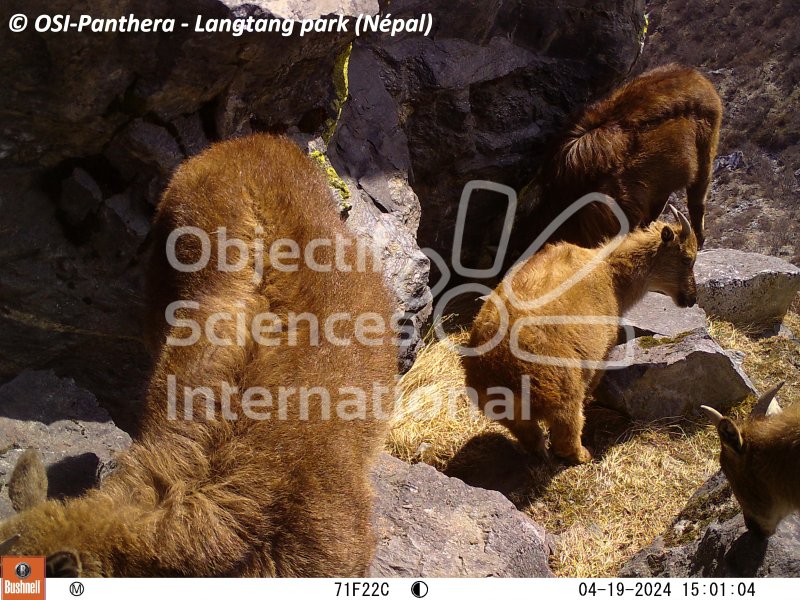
8 544
686 227
765 405
713 414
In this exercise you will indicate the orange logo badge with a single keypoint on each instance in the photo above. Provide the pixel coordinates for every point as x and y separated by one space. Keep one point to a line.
22 578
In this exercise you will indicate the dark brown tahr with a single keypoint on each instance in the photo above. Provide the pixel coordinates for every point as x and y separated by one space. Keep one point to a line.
653 136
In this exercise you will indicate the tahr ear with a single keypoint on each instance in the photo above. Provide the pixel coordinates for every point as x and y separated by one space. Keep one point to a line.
63 564
667 235
27 486
730 435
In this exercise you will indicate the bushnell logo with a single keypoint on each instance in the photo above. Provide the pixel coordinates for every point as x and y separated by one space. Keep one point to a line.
23 570
23 578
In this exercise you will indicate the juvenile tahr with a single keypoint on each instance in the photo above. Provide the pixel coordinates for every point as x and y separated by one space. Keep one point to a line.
243 482
547 352
655 135
761 459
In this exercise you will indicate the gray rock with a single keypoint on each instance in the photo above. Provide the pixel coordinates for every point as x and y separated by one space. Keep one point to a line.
732 162
672 377
80 196
145 155
77 91
784 331
76 438
70 299
431 525
190 134
125 209
145 145
709 539
369 145
747 289
405 269
120 229
657 314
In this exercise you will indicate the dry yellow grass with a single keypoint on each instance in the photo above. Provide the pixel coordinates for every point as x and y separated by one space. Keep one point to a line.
434 418
604 511
767 361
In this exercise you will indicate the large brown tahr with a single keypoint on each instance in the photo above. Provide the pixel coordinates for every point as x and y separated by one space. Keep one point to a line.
546 353
231 491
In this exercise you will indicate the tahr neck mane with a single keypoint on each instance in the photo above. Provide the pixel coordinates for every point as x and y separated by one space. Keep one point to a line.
631 265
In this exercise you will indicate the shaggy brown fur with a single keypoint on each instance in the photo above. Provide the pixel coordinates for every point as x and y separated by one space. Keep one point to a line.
652 136
658 258
761 459
249 497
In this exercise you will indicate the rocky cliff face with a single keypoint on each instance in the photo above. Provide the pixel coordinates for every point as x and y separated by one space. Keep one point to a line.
92 125
478 99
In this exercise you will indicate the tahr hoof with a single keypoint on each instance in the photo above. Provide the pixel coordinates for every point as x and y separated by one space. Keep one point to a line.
581 457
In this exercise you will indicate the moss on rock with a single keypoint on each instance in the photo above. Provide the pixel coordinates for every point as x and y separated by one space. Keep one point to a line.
334 180
649 341
341 86
714 503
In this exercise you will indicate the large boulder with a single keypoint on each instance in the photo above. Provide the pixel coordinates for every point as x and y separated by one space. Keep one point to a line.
67 95
431 525
657 314
370 152
76 438
672 377
709 539
748 289
70 298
